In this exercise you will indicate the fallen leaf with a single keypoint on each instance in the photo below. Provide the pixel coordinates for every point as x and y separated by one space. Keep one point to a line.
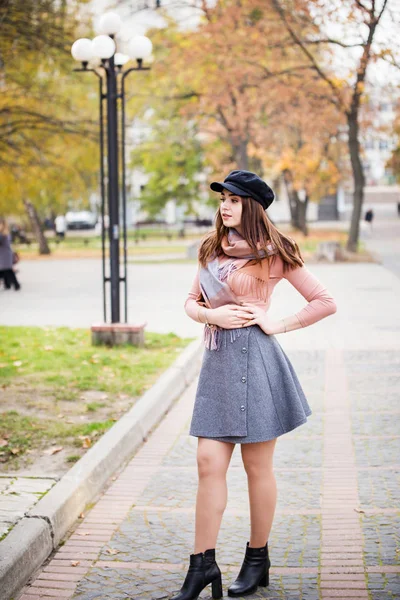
359 510
3 443
112 551
87 442
75 563
3 365
54 450
83 533
17 363
48 348
82 516
15 450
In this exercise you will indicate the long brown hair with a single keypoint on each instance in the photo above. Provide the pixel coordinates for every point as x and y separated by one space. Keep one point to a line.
256 229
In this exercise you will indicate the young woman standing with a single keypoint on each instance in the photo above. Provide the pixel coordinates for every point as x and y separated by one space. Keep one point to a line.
248 391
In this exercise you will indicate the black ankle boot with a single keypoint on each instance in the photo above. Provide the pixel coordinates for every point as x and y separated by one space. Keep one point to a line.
202 570
254 572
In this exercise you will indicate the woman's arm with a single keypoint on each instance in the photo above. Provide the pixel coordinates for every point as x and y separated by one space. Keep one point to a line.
229 316
320 304
193 309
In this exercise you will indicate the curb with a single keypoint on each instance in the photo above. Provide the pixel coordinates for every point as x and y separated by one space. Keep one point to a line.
35 537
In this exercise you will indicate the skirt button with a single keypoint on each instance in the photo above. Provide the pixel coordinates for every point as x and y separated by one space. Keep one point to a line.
244 379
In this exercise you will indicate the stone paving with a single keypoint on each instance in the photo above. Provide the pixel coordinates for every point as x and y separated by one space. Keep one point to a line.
336 531
17 496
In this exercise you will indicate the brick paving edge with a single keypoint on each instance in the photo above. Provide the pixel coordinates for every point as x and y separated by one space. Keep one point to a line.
33 539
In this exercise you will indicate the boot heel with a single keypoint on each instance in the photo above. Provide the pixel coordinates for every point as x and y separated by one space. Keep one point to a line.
264 581
216 588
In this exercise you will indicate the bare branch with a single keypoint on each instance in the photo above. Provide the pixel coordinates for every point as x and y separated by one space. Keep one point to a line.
337 98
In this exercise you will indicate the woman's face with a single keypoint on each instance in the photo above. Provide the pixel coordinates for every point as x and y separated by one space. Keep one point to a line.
231 209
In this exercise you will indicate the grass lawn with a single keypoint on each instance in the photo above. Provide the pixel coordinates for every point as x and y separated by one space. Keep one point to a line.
59 393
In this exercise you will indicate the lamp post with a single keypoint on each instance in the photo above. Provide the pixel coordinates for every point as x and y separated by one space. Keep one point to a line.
111 75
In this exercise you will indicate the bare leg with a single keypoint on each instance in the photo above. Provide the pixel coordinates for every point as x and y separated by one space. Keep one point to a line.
258 463
213 460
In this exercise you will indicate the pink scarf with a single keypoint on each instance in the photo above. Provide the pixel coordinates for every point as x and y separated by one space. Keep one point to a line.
213 281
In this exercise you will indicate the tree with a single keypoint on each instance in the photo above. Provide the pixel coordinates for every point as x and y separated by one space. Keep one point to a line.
45 110
173 158
307 152
394 161
252 109
359 22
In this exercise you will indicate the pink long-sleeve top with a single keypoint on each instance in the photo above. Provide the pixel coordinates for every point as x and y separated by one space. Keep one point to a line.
320 303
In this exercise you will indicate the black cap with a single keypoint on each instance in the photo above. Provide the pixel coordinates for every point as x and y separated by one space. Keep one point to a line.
245 183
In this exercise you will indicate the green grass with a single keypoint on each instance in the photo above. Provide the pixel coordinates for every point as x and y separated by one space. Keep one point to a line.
24 432
64 360
45 371
147 243
73 458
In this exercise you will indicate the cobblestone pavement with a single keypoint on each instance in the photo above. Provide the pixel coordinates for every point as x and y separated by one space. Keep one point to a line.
336 530
336 533
18 495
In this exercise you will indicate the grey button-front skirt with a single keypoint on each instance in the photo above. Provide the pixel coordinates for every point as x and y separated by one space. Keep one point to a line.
248 391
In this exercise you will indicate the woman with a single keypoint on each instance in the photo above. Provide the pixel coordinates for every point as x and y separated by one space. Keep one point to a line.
6 257
248 392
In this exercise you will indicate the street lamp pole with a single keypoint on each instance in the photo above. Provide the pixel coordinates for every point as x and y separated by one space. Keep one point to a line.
112 74
113 192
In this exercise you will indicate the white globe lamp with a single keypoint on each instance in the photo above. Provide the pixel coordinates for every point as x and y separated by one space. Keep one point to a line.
140 48
120 59
82 50
109 24
103 46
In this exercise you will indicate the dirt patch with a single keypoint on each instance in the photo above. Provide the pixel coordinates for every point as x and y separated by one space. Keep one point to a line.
44 456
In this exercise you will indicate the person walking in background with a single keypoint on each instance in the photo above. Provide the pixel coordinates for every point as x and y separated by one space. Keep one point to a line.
6 257
60 224
248 392
369 217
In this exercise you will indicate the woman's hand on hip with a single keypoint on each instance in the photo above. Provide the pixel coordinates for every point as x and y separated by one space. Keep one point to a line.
230 316
258 316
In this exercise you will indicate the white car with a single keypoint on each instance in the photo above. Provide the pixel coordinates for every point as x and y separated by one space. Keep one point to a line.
83 219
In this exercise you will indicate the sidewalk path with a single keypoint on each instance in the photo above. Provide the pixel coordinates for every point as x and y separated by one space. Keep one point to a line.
384 238
336 530
19 495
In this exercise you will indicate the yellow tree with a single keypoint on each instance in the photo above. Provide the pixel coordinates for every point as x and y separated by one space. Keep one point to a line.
40 131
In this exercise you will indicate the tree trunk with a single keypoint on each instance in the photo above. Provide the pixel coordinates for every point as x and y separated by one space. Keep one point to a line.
37 230
358 178
302 214
298 208
240 155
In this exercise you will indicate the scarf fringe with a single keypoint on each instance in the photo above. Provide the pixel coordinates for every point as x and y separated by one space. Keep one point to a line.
214 336
248 284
